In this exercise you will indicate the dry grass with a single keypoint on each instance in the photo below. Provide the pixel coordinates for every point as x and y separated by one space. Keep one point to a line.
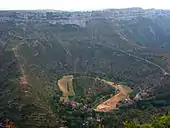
66 86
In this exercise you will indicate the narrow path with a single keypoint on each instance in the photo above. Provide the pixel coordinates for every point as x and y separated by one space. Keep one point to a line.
166 73
147 61
23 80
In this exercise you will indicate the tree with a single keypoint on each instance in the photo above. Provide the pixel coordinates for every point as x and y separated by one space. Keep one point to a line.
157 122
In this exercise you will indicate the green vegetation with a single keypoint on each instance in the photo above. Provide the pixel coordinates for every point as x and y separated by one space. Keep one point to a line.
100 49
157 122
91 90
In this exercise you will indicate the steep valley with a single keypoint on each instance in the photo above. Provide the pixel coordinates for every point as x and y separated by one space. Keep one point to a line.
36 54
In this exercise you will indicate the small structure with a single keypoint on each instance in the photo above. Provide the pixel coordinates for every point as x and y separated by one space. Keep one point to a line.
100 121
72 103
6 124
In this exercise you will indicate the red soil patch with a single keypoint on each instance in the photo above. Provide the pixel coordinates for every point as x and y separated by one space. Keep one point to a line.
22 79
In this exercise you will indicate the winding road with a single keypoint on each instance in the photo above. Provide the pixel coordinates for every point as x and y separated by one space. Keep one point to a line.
147 61
166 73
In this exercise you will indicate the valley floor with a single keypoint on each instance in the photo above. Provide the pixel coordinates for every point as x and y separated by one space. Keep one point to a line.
65 85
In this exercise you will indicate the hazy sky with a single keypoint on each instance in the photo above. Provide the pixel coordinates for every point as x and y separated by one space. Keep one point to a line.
82 4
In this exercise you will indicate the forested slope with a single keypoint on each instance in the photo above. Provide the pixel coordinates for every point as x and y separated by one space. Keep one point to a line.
40 52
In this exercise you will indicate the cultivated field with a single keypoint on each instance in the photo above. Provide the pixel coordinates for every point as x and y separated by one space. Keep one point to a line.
66 86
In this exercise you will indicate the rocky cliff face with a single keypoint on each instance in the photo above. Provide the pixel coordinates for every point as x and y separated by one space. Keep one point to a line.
80 18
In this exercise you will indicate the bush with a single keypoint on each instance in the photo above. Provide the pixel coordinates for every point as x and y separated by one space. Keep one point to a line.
157 122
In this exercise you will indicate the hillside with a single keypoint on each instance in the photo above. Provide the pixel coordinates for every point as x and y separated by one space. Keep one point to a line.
129 46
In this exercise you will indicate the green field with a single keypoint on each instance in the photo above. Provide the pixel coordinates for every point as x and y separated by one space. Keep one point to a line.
91 90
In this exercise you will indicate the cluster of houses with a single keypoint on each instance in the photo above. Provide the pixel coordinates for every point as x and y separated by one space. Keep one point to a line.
143 95
75 104
125 102
6 124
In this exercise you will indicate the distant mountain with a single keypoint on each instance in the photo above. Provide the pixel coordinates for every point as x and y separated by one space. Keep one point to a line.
144 27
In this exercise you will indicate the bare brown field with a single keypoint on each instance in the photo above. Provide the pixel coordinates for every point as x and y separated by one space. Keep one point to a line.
66 86
111 103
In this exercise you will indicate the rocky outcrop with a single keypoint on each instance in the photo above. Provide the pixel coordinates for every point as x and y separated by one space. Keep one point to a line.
80 18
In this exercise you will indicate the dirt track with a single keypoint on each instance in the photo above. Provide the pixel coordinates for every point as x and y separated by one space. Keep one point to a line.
23 80
110 104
